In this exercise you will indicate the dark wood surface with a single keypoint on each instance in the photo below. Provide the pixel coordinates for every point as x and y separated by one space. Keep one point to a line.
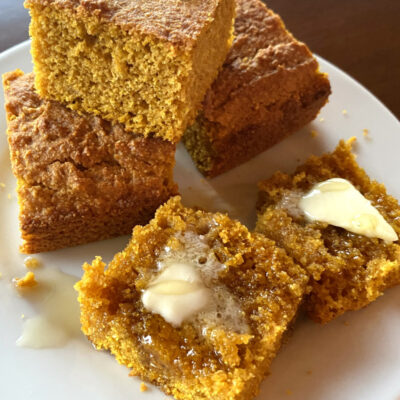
362 37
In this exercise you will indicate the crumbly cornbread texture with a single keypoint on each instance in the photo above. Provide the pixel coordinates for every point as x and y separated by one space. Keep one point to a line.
269 87
348 270
195 360
79 178
146 64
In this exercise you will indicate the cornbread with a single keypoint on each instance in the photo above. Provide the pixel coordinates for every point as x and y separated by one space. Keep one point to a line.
269 87
32 263
27 281
143 387
348 270
146 64
79 179
223 351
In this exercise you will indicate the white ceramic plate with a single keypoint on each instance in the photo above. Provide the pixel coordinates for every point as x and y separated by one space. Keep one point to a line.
355 357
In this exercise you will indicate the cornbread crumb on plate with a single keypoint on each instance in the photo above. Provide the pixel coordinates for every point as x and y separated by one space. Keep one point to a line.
79 179
348 270
32 262
146 64
27 281
221 351
366 134
143 387
270 86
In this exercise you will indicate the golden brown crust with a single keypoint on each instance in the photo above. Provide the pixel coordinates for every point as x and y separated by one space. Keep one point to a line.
216 154
79 173
269 83
182 361
349 271
179 22
265 64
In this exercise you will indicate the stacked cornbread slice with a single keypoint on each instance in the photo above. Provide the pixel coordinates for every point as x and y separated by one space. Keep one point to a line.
80 179
92 141
149 68
146 64
269 87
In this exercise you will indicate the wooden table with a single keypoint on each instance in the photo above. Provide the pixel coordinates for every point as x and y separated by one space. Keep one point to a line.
362 37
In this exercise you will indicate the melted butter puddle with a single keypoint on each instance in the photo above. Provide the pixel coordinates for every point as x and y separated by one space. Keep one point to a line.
56 301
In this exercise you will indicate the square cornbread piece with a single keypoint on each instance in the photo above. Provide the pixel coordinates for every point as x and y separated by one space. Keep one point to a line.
146 64
223 351
269 87
79 179
348 270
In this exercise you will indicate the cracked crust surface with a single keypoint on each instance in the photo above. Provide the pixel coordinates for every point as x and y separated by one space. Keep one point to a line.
180 22
79 178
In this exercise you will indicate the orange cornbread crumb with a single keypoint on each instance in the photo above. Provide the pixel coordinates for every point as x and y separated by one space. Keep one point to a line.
143 387
27 281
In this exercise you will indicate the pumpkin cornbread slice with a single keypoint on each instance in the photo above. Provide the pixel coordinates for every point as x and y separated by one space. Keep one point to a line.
223 351
269 87
348 270
146 64
79 179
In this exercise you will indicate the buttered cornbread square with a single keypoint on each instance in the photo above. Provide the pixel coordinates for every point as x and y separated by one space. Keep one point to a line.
79 179
350 263
195 304
146 64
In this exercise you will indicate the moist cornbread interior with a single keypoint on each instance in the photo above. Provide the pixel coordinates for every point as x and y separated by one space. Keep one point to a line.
79 179
193 361
144 64
269 87
348 270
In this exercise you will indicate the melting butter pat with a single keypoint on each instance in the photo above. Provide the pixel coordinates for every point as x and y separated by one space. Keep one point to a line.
177 293
337 202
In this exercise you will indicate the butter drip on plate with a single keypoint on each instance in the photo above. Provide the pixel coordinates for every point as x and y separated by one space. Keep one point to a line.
57 321
337 202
